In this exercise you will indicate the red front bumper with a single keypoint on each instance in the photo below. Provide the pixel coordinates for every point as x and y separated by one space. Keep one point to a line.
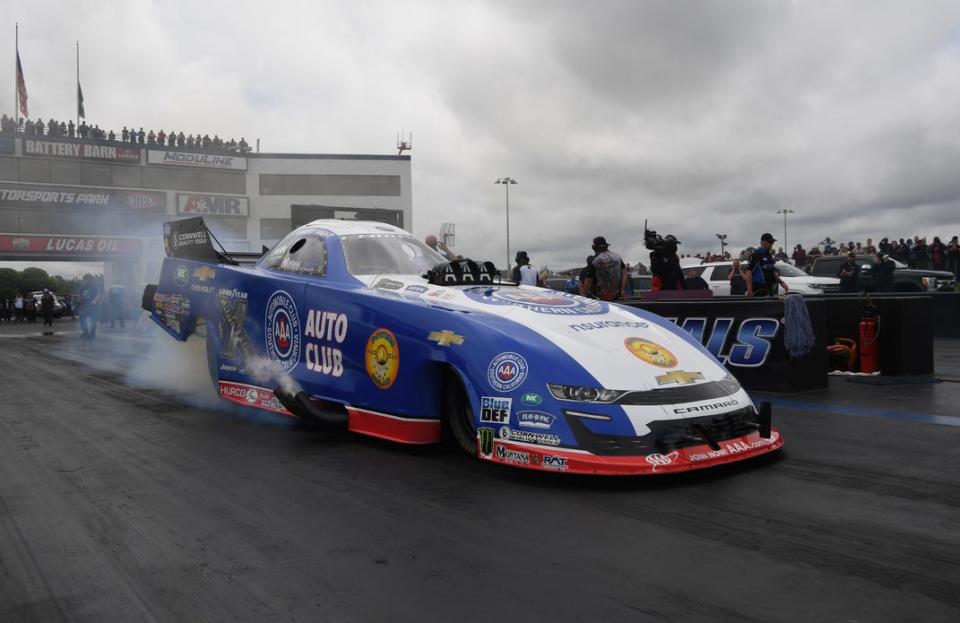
543 458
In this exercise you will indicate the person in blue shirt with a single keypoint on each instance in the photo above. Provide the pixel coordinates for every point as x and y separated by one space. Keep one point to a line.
761 274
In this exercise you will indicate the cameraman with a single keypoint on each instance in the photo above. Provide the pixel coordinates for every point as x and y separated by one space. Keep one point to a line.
664 263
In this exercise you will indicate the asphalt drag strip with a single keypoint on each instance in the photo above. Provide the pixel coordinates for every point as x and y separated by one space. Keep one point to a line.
126 498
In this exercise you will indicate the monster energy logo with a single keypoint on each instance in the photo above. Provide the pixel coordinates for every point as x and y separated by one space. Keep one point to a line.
485 435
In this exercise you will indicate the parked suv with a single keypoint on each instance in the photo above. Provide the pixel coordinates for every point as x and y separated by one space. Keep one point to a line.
715 274
904 279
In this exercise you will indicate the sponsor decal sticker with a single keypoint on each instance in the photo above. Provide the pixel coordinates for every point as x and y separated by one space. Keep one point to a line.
541 302
507 371
558 463
445 338
326 331
679 377
543 439
182 275
282 332
535 419
661 460
485 442
495 410
383 358
650 352
250 395
708 407
532 399
729 449
512 456
417 289
389 284
608 324
204 273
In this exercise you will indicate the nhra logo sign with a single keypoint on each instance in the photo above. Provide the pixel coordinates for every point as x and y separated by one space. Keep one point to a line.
213 205
282 330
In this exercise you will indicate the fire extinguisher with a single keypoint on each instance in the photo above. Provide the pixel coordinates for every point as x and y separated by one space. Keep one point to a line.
869 341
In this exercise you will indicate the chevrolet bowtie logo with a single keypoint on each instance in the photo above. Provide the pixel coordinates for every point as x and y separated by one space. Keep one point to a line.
445 338
204 273
679 377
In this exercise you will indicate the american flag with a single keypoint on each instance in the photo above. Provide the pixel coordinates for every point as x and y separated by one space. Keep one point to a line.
21 88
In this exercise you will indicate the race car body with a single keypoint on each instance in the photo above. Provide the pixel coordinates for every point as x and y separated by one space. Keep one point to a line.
360 323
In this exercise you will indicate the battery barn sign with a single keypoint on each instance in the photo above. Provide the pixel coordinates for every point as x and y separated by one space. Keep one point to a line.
213 205
192 159
81 151
23 196
27 245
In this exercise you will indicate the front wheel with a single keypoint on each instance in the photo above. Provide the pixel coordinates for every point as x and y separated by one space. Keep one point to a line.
458 414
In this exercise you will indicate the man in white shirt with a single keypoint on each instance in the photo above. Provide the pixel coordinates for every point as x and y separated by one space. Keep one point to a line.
524 273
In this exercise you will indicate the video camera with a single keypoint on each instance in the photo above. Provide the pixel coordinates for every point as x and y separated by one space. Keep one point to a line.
655 242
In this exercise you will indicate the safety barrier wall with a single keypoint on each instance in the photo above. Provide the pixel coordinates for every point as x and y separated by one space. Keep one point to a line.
945 309
740 332
747 335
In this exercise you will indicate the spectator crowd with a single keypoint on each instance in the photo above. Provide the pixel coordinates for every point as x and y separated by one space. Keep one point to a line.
130 136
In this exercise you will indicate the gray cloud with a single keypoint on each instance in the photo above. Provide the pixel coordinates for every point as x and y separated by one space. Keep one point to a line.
700 116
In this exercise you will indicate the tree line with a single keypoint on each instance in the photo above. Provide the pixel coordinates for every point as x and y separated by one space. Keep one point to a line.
13 282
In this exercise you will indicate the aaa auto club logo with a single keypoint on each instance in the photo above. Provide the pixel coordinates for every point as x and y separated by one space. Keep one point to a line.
541 302
282 330
382 358
507 371
650 352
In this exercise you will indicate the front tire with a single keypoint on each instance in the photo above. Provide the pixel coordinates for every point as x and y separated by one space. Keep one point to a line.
458 414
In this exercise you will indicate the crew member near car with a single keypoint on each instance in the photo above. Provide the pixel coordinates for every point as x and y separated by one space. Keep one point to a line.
849 274
665 266
761 274
884 271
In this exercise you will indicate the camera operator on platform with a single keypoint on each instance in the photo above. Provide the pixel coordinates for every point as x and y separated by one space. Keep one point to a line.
664 263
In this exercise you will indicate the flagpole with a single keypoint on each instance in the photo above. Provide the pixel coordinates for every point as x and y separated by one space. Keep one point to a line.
16 77
78 91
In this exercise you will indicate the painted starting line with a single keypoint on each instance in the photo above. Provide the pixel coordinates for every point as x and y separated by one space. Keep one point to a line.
909 416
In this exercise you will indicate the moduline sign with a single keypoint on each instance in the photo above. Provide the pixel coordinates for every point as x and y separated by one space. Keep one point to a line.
68 245
192 159
213 205
81 151
23 196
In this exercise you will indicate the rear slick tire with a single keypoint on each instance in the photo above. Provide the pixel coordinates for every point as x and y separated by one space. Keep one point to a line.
459 415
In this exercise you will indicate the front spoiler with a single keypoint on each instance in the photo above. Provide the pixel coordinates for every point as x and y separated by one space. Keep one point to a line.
543 458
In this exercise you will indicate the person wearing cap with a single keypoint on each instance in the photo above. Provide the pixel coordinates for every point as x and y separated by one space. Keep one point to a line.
849 274
761 274
606 275
523 272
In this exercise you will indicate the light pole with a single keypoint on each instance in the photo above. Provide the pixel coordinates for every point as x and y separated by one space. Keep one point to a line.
723 243
507 181
785 212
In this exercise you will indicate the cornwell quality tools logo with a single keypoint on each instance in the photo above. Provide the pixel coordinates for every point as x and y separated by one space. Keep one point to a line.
652 353
382 358
445 338
679 377
282 330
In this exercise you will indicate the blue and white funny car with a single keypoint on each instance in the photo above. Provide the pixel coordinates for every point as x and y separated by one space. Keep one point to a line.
359 324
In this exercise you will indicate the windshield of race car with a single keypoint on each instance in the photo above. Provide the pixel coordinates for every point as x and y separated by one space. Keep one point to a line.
387 254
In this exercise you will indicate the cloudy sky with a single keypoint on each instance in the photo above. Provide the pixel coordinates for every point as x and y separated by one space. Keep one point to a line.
702 117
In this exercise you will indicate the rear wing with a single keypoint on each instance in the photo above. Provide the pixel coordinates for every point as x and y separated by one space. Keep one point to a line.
191 239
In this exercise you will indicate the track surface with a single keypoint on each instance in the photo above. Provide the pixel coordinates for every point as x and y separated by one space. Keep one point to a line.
119 503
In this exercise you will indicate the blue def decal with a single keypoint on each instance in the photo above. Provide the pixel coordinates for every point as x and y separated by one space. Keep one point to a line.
282 330
752 346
